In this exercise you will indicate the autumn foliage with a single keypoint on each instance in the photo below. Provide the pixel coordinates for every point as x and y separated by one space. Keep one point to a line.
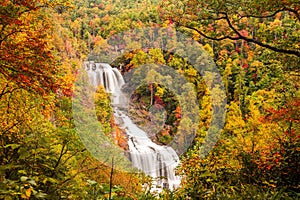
27 56
255 45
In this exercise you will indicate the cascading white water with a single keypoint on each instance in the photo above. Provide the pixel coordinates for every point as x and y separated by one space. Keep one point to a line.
157 161
110 78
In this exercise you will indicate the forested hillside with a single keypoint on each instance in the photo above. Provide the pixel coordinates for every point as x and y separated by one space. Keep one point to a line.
254 45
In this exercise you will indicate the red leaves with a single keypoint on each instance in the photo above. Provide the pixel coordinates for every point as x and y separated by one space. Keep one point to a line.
25 55
245 65
68 91
158 101
4 3
18 22
24 68
288 113
24 78
243 33
272 160
210 27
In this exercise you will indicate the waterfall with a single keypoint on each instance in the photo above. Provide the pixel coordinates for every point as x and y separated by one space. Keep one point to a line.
155 160
110 78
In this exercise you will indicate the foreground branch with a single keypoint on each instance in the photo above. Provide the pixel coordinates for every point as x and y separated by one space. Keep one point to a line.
259 43
241 37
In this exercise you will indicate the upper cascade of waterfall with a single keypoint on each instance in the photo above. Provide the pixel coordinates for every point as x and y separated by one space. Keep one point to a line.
103 74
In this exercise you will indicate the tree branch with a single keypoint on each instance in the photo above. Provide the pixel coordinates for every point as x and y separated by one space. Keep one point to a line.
62 152
276 49
297 14
211 38
9 34
72 155
261 17
5 90
77 173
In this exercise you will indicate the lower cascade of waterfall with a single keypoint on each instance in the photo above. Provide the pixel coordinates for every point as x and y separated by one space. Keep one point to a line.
155 160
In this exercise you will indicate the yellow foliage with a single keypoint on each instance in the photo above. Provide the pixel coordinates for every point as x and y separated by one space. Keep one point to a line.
235 123
28 192
251 134
208 48
205 112
250 55
159 91
196 36
275 23
257 64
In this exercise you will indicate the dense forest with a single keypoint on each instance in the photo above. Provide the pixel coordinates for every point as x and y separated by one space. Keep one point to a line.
253 45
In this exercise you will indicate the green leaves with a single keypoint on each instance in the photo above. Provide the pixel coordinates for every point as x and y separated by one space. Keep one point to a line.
12 146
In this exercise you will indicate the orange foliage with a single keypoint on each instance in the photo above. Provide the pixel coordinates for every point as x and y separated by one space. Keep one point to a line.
119 135
26 56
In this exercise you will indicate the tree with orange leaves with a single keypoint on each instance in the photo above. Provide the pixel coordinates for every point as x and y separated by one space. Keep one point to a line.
26 56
